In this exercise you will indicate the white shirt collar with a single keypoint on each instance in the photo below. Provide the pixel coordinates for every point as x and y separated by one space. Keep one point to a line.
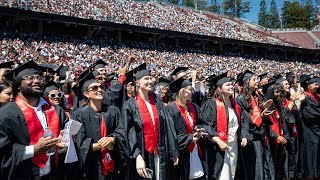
41 103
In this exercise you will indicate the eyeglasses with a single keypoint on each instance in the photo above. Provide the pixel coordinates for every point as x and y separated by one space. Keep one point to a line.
58 95
32 78
96 88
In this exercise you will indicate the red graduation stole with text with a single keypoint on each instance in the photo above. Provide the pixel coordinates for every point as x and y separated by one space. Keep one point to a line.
150 130
36 129
277 123
256 113
107 161
186 120
222 121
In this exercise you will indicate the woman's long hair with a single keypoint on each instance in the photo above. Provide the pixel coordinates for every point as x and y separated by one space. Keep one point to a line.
218 94
247 95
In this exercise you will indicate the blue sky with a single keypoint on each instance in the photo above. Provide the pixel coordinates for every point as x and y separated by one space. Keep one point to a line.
255 7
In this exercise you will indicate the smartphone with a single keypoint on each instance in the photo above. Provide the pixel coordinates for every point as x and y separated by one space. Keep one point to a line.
149 173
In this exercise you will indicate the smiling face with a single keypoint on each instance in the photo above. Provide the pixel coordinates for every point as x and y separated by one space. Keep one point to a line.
312 88
55 97
94 92
32 85
164 91
286 85
227 89
145 84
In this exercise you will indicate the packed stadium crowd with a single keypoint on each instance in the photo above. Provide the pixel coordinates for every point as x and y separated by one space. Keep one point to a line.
79 53
152 15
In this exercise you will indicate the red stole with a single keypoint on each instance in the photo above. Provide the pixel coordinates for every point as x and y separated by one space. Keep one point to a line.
277 123
35 128
187 121
150 130
107 161
255 114
70 100
222 120
293 126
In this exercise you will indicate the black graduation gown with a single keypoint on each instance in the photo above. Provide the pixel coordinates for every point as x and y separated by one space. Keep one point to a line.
168 144
310 111
184 140
198 98
261 165
14 137
89 133
214 156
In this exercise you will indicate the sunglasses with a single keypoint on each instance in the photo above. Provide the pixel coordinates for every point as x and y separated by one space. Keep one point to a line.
58 95
96 88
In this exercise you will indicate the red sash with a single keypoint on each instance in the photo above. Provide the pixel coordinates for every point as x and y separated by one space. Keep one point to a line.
222 121
186 120
150 130
107 161
277 124
70 100
256 113
35 128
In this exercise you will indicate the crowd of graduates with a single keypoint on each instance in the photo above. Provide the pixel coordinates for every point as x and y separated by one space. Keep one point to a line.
138 125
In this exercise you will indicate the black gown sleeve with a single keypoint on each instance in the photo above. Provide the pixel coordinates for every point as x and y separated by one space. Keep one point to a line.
83 141
184 139
128 116
209 115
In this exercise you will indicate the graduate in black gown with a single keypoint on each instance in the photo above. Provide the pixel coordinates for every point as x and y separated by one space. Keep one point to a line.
278 132
188 125
22 126
151 135
257 154
101 139
226 130
310 109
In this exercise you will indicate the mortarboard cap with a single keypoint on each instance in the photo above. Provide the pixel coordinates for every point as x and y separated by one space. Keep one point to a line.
8 64
98 64
266 86
27 68
85 82
263 75
51 85
219 80
279 79
178 70
164 81
244 77
129 74
178 84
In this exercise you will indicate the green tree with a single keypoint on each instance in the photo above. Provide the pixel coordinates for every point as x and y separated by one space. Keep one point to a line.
235 8
198 4
263 15
274 21
215 7
295 15
189 3
173 1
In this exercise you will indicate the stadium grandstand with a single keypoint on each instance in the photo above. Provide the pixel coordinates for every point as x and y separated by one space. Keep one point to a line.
77 33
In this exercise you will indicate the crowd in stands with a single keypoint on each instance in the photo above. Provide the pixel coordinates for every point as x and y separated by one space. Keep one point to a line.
150 14
79 53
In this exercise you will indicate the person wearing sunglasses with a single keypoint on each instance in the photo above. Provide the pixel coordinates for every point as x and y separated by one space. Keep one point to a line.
53 93
100 140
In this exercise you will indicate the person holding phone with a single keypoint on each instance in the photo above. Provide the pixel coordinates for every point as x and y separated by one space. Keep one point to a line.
150 130
222 116
258 160
188 127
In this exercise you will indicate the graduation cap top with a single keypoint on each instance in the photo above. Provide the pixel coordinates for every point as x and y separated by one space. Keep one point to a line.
178 84
98 64
219 80
263 75
164 81
178 70
279 80
129 74
266 86
86 81
307 80
27 68
51 85
244 77
111 76
8 64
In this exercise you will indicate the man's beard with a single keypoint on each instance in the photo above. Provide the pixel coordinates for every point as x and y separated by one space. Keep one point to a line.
29 92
